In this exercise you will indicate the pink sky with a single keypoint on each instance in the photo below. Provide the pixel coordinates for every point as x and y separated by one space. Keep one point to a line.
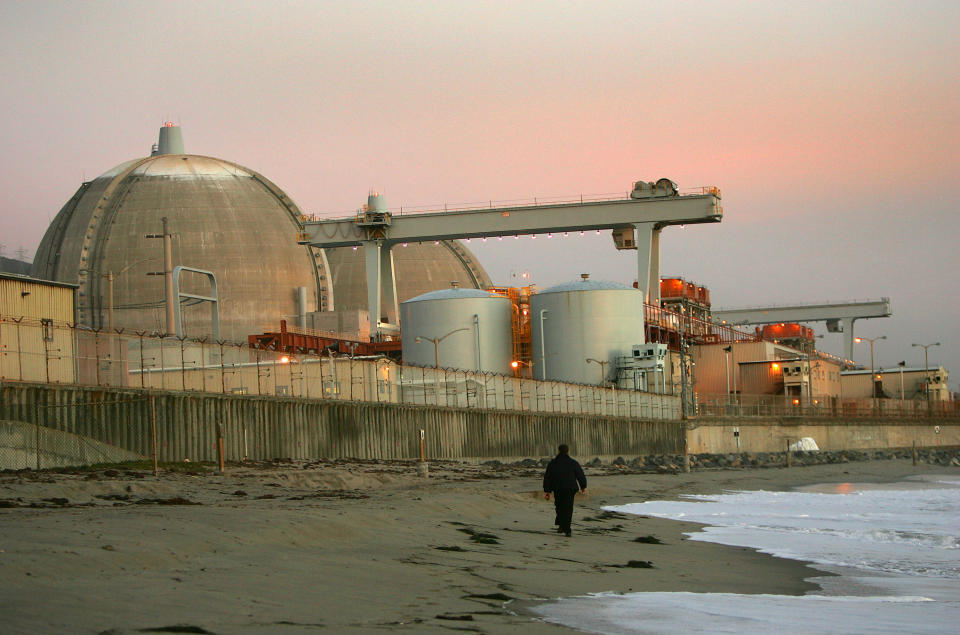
832 128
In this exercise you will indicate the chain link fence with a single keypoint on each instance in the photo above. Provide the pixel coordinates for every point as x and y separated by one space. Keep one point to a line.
41 351
744 405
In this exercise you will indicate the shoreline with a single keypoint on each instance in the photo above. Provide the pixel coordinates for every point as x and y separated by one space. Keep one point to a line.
361 545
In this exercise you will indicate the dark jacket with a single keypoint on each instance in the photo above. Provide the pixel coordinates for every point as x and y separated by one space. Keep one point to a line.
563 475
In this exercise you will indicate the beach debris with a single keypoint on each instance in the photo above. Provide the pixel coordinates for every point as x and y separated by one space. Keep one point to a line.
635 564
648 540
466 617
342 494
177 628
449 548
108 548
56 501
806 444
480 537
500 597
173 500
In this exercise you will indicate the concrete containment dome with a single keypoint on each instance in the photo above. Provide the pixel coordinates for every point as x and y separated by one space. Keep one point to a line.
465 329
587 319
223 217
418 269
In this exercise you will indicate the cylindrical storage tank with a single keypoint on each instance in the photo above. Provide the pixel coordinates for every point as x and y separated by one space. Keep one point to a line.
587 319
466 329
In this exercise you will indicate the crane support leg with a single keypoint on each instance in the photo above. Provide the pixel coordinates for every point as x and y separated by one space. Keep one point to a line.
381 284
648 260
848 337
388 286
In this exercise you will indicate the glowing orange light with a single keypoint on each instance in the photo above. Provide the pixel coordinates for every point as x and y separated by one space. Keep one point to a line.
514 364
775 366
284 360
796 402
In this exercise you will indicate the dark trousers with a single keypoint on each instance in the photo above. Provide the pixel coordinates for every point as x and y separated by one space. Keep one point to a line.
563 503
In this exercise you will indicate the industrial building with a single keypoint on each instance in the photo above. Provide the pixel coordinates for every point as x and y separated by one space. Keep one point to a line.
231 236
34 345
916 384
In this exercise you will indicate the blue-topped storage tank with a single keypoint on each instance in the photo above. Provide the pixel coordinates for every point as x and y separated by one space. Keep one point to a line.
584 320
465 329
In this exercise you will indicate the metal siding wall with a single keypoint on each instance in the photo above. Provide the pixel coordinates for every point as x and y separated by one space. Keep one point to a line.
297 429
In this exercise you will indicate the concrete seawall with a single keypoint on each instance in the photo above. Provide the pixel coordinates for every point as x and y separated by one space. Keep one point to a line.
107 424
772 435
263 428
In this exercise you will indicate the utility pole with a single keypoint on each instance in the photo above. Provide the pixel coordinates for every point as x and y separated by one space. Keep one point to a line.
167 275
926 371
683 377
872 375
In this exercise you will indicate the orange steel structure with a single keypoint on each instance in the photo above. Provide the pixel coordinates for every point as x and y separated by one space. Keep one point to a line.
680 288
304 341
520 321
787 331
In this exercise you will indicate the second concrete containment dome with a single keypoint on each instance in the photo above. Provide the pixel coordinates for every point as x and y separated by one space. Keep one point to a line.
587 319
466 329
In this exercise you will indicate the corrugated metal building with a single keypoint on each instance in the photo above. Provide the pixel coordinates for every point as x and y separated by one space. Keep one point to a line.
762 368
36 339
912 383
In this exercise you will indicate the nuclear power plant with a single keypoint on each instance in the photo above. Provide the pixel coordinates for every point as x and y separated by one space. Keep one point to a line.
205 249
180 296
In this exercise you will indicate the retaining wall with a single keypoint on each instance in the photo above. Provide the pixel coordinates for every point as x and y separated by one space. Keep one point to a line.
772 435
256 427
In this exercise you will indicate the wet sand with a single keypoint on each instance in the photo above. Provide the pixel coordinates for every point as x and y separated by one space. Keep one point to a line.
356 547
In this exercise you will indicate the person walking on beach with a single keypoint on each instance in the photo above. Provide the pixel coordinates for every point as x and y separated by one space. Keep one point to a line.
564 478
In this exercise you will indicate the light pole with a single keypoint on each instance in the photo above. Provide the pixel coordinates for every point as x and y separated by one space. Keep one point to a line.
517 363
871 340
603 378
543 346
926 368
111 276
436 343
603 368
726 367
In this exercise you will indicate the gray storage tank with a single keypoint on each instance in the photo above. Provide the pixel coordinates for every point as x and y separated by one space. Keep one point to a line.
466 329
587 319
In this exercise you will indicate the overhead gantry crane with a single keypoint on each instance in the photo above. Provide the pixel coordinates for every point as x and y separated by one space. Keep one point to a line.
838 316
636 221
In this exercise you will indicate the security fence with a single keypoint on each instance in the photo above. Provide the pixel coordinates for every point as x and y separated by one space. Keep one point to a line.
41 351
743 405
45 426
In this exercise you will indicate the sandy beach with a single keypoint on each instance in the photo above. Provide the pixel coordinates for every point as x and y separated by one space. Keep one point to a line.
356 547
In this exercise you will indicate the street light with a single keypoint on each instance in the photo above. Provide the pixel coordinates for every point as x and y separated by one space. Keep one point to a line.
603 368
517 363
926 367
111 276
436 343
871 340
726 367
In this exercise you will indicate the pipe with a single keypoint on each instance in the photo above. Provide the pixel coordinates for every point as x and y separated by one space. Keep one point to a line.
168 277
543 352
302 306
476 326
